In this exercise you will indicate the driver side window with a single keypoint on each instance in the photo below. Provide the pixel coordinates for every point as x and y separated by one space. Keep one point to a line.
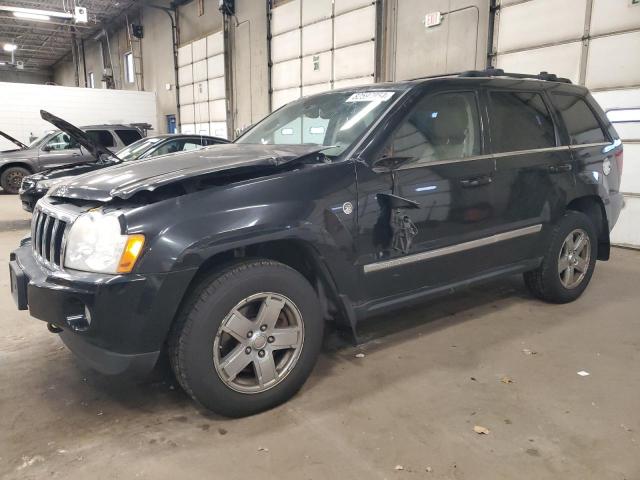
61 141
440 127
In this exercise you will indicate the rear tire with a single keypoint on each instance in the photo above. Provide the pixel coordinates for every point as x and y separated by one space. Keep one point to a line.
248 338
11 179
569 261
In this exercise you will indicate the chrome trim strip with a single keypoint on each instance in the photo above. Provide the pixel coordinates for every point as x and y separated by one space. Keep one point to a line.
532 150
38 243
57 211
45 239
52 243
460 247
497 156
587 145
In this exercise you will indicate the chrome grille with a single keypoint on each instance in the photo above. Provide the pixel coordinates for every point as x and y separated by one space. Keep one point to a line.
47 237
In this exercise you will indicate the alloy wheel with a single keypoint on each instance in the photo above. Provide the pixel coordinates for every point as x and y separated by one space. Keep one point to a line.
574 258
258 343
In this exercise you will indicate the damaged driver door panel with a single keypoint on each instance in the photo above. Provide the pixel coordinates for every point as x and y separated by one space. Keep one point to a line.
425 190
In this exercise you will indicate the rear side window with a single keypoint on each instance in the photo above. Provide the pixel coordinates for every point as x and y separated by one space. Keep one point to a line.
103 137
520 121
581 123
128 136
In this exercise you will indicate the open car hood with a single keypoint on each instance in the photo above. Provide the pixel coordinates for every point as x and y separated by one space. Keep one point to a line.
20 145
125 179
97 150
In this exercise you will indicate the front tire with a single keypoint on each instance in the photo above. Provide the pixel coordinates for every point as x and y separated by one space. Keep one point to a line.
11 179
569 261
248 338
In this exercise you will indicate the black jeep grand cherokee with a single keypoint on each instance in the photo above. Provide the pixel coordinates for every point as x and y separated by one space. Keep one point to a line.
340 205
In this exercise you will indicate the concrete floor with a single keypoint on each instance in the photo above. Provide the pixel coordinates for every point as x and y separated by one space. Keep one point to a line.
406 410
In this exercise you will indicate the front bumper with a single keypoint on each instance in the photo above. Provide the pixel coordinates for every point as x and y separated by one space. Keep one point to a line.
126 317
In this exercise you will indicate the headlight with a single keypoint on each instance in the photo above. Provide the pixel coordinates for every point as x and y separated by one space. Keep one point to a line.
44 184
47 184
95 244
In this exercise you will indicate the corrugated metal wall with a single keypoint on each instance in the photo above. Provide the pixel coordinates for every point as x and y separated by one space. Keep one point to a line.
202 91
591 42
318 45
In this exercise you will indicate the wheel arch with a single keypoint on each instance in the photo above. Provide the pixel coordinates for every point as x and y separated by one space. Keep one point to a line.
24 165
593 207
297 254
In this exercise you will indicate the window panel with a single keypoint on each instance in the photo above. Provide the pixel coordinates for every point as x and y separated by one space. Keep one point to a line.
103 137
62 141
581 123
440 127
520 121
128 136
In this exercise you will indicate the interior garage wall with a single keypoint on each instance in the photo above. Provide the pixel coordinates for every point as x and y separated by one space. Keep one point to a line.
457 44
64 72
155 63
22 76
249 64
194 26
158 68
593 43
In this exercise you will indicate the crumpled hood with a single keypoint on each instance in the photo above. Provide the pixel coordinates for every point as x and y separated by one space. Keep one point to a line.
128 178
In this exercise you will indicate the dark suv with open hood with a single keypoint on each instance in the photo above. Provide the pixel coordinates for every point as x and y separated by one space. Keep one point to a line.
341 206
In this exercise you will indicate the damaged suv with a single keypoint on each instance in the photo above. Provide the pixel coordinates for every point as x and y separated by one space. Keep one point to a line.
341 205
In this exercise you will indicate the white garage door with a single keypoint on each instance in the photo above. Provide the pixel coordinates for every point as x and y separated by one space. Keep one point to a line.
318 45
203 107
594 43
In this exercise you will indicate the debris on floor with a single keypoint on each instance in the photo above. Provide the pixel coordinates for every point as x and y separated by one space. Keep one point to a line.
27 462
263 449
527 351
429 469
359 355
583 373
399 467
481 430
506 379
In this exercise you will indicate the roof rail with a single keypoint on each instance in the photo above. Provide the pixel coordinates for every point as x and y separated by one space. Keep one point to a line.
498 72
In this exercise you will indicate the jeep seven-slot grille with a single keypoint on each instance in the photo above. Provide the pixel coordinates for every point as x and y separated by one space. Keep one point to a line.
47 233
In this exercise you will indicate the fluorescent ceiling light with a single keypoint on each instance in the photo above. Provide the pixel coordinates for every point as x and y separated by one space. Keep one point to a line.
10 47
32 16
35 11
3 63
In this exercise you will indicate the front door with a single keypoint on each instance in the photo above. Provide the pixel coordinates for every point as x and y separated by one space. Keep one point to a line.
425 197
61 149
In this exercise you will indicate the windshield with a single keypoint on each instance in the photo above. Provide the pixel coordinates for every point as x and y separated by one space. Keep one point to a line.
40 139
136 149
335 119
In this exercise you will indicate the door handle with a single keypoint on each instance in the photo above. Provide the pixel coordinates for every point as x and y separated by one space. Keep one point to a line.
476 181
563 167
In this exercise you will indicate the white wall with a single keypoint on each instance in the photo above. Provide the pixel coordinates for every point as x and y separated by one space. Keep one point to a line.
20 106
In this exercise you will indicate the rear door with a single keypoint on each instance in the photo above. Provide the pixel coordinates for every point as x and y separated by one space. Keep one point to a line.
534 172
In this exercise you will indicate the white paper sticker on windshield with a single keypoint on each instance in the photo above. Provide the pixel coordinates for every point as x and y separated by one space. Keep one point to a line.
370 97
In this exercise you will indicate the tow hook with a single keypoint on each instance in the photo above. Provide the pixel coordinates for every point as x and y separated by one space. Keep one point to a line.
53 329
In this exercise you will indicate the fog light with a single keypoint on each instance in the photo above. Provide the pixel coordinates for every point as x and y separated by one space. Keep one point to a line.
78 315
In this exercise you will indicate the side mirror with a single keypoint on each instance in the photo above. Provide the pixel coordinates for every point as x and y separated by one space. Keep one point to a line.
388 164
